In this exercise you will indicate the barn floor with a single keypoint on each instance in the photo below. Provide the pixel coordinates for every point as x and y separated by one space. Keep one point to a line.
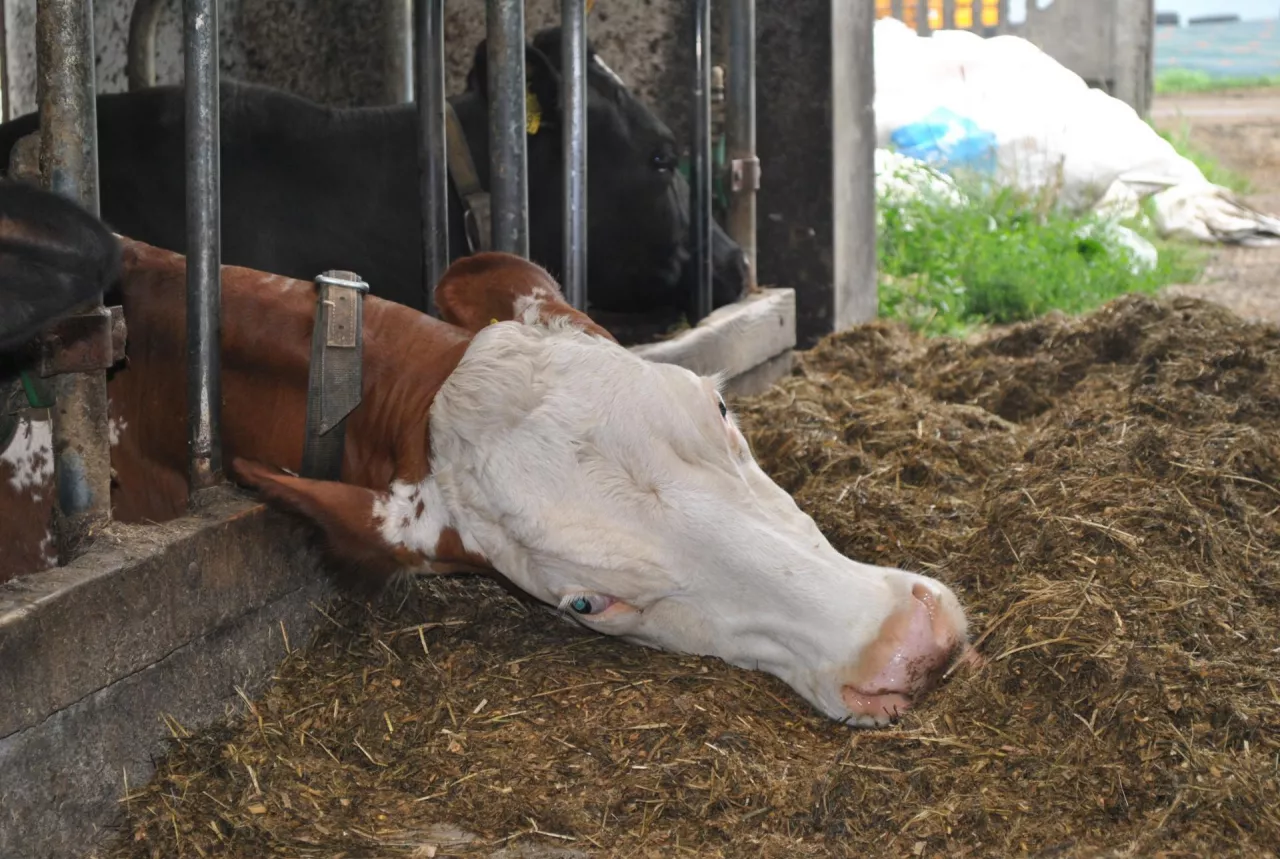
1103 493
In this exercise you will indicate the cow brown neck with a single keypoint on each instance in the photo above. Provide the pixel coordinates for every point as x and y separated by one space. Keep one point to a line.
267 322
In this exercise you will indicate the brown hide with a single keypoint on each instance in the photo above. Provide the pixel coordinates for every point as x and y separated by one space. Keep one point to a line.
266 347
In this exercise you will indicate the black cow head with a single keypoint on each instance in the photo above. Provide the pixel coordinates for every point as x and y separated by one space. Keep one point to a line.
637 200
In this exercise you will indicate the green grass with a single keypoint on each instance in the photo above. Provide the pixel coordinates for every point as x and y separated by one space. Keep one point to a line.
1175 81
1211 168
1004 258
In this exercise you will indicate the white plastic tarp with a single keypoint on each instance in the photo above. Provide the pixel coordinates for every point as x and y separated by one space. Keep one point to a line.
1002 108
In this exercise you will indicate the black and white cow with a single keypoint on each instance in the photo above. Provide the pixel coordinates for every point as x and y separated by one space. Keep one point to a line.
307 188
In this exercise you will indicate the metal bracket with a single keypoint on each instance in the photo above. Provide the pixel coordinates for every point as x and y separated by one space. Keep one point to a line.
744 174
82 343
335 381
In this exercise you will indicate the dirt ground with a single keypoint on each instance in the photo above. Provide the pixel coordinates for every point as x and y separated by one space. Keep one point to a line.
1242 131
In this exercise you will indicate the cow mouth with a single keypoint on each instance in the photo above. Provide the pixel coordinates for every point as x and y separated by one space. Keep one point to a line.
879 705
889 704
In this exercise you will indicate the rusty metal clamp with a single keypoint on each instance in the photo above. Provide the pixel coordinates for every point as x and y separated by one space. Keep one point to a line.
82 343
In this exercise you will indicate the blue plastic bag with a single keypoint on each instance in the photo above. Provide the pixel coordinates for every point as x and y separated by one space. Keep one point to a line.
946 140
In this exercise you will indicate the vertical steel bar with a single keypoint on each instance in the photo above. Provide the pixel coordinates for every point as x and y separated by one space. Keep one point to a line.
398 57
573 70
69 166
508 153
433 186
700 163
204 252
4 64
740 125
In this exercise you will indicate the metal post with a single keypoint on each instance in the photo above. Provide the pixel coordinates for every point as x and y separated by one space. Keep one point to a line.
573 69
700 163
69 166
204 251
433 176
853 147
140 54
508 153
4 64
740 126
398 65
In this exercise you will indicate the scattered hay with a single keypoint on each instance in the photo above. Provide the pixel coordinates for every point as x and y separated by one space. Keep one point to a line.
1102 492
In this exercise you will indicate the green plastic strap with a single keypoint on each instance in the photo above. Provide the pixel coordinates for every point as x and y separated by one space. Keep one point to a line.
38 394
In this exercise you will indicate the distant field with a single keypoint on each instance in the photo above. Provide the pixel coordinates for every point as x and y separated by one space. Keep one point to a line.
1217 56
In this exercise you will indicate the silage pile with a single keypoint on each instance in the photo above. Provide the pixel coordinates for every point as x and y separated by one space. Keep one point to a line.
1102 492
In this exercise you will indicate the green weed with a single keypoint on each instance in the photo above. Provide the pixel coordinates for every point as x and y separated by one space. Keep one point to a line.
1004 258
1176 81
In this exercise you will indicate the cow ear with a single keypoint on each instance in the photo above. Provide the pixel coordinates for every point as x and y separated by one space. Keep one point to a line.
542 84
485 288
344 513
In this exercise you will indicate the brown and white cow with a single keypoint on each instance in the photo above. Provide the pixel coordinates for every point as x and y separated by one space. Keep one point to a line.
617 489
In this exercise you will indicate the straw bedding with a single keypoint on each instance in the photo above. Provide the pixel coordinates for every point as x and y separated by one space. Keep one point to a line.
1103 494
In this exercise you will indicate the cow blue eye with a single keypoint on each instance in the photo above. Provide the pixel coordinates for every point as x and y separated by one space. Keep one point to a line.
581 605
724 410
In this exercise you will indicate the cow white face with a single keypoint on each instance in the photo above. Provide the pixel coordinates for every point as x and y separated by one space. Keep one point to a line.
623 492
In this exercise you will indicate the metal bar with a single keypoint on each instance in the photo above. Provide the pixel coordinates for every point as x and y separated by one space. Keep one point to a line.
922 17
853 147
204 251
700 163
398 59
433 168
140 54
4 64
948 15
573 71
69 166
508 152
740 126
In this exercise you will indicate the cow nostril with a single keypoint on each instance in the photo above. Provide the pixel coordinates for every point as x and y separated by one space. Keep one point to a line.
921 592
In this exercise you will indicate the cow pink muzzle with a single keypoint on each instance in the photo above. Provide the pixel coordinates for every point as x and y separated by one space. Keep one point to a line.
915 648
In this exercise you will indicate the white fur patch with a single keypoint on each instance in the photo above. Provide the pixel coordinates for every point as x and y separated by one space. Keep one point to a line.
30 457
115 428
48 551
412 515
528 309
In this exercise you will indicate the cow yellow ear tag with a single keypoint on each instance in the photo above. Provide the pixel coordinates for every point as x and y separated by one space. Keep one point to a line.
532 112
493 321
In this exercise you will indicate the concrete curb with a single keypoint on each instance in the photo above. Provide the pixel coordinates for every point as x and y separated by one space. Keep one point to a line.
156 623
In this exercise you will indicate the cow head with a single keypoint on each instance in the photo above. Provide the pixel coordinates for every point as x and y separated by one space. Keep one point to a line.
637 201
622 492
